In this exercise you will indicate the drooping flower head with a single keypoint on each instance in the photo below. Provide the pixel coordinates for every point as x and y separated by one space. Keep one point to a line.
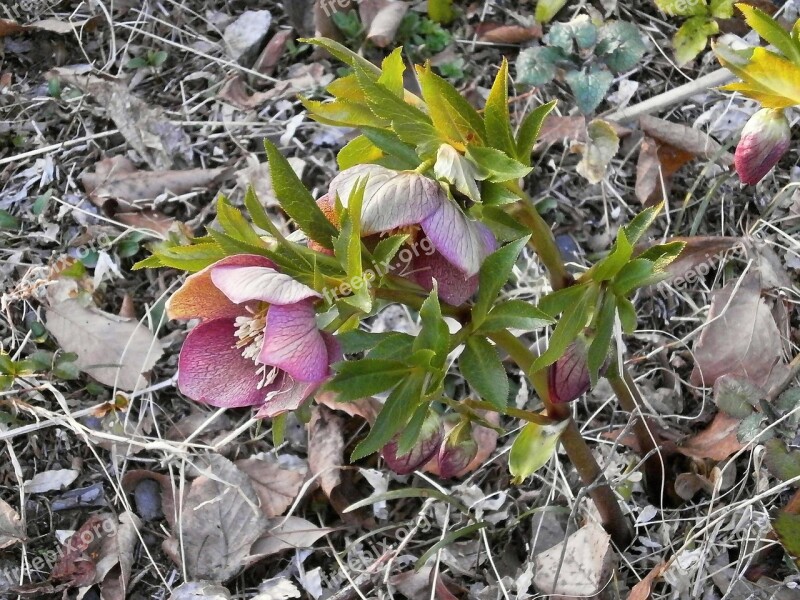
407 200
257 343
765 139
568 378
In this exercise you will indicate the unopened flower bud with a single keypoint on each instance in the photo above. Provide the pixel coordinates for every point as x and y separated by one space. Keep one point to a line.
568 378
458 450
425 448
765 138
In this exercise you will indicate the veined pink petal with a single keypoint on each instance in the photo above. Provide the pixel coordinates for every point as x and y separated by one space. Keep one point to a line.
765 139
212 371
293 343
462 241
242 284
454 287
391 198
198 297
286 394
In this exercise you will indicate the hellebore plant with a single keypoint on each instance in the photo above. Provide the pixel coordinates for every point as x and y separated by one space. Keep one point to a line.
771 77
281 319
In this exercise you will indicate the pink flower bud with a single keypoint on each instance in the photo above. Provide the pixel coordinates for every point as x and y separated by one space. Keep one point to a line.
765 138
458 450
568 378
426 447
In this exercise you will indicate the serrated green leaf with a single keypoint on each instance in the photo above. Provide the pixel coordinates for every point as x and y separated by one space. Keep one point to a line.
787 526
493 275
189 258
151 262
259 215
398 346
434 334
589 87
343 113
344 54
359 150
386 249
497 194
636 274
235 225
451 114
296 201
692 37
736 396
356 379
627 315
515 314
607 268
496 115
580 32
641 223
771 31
603 332
497 164
538 66
572 322
481 366
391 145
547 9
557 302
358 340
620 46
781 462
662 255
399 407
533 448
504 226
392 69
529 131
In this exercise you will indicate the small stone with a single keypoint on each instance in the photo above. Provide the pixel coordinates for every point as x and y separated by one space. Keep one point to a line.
247 32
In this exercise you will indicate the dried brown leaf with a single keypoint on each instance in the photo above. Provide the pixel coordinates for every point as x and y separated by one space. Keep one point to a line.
219 521
271 54
8 27
658 162
276 487
683 137
11 529
286 533
717 441
383 27
495 33
326 448
740 336
366 408
643 589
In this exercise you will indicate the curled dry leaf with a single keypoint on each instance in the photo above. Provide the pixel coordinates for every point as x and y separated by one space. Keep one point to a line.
683 137
276 487
366 408
286 533
11 527
9 27
383 27
495 33
601 147
642 590
234 91
273 51
49 481
112 350
658 162
147 129
739 338
219 521
717 441
586 566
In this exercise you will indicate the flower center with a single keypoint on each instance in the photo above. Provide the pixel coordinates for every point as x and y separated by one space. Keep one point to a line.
250 333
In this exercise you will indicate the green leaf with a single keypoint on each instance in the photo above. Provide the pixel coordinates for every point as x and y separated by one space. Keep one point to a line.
496 115
683 8
451 114
635 274
358 151
603 331
8 221
392 70
782 463
341 113
358 340
296 200
529 131
392 145
499 165
356 379
736 396
493 275
641 223
787 526
572 322
345 55
434 333
627 315
620 46
533 447
547 9
482 368
580 32
771 31
690 40
589 87
401 404
189 258
515 314
441 11
607 268
557 302
504 226
662 255
387 248
235 225
259 215
538 66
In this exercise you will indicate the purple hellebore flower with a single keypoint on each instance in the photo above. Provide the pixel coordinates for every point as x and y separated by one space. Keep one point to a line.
399 199
426 447
765 138
568 378
257 343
